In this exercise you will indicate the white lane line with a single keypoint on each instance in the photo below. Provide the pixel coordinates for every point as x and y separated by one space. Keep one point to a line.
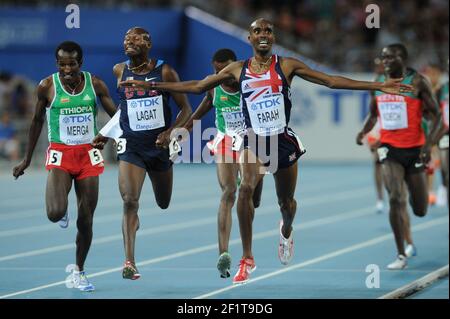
333 254
304 225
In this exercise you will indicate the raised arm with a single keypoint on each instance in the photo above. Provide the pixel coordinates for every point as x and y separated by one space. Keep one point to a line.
36 125
294 67
103 94
233 70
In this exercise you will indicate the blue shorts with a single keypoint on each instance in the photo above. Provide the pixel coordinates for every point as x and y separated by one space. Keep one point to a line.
148 158
288 148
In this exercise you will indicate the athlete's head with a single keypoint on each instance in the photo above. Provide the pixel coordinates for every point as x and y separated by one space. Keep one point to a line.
222 58
394 58
137 42
69 58
261 35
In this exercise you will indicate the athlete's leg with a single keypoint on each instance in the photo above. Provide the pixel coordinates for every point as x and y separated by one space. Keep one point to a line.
87 197
250 168
162 183
59 184
418 192
257 194
393 175
131 179
285 182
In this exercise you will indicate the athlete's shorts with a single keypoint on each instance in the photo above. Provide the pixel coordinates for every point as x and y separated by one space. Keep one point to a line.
222 144
289 148
409 158
443 142
150 159
80 161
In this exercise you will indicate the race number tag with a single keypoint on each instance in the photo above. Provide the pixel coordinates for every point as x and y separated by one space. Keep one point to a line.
54 158
445 113
174 149
121 145
443 142
146 114
267 114
393 115
237 142
96 156
382 153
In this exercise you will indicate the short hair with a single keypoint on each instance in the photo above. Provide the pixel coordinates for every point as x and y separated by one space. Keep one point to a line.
70 46
224 55
400 48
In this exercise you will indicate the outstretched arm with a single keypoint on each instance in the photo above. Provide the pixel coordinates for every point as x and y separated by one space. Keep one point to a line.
296 67
36 125
197 86
103 94
204 107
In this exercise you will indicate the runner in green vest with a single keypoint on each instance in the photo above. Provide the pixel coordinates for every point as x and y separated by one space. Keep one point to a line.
68 98
225 99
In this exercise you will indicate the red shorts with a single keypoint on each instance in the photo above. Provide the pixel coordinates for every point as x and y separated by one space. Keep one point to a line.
222 145
80 161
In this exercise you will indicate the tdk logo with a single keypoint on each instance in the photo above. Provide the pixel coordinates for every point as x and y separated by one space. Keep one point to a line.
145 103
78 119
266 103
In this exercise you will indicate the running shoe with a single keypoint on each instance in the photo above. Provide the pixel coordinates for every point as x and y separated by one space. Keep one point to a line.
224 264
64 222
286 247
398 264
130 271
410 251
246 267
81 282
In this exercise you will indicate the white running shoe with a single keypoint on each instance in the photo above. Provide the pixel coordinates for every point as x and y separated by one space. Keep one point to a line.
64 222
81 282
410 251
379 206
400 263
286 247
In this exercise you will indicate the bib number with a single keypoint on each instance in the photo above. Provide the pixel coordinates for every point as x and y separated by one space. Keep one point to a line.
96 156
237 142
54 158
393 115
146 114
267 114
382 153
174 149
443 142
121 145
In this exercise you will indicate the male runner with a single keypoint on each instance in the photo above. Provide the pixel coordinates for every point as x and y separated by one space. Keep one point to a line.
404 148
68 97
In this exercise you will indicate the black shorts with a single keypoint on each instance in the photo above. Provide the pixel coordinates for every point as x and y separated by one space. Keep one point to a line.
409 158
288 148
150 159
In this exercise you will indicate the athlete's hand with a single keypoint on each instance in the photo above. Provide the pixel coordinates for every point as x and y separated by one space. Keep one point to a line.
99 141
20 169
425 154
394 86
360 138
138 84
163 139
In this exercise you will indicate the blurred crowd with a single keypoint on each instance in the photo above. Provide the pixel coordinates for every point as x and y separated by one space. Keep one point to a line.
331 32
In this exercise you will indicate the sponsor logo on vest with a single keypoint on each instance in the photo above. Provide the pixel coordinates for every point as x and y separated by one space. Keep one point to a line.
87 98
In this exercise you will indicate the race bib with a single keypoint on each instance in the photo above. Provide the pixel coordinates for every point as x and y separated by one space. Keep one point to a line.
96 156
234 121
146 114
393 115
76 129
382 153
443 142
121 145
174 149
54 158
445 113
267 114
237 142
